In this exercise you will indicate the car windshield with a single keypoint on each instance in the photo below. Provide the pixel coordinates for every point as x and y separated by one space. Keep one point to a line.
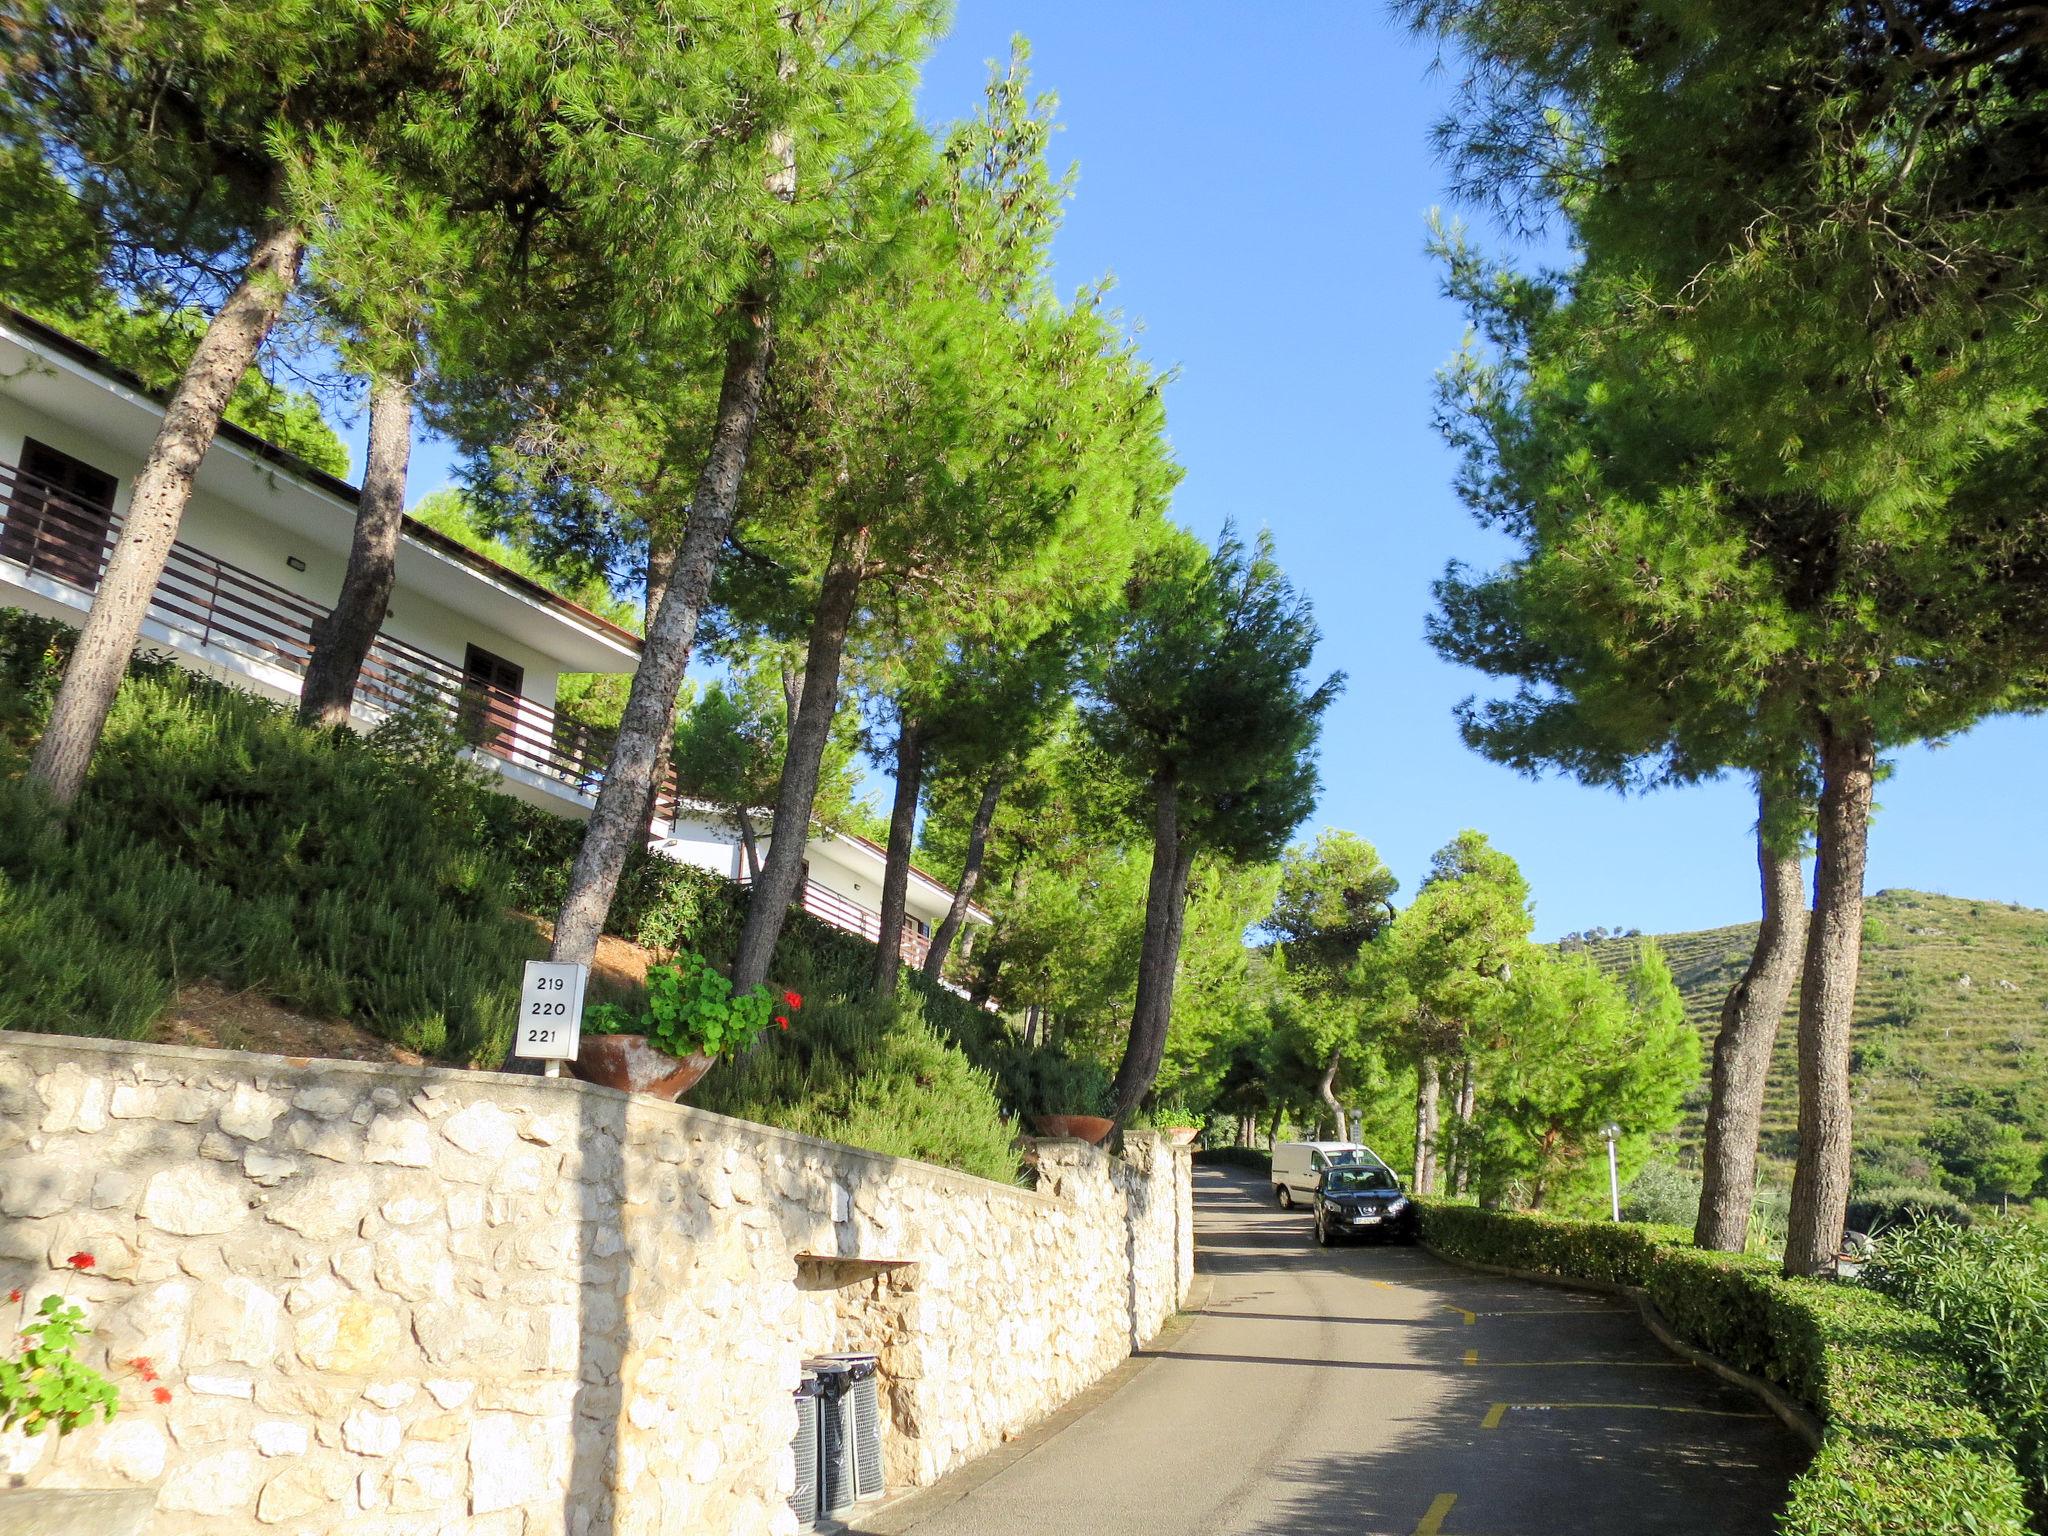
1352 1157
1358 1181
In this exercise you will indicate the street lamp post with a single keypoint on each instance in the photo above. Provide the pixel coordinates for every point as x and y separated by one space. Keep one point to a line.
1612 1133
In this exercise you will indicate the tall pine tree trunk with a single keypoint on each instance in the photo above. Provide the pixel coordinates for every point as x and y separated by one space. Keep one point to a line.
622 799
162 489
1827 996
970 877
661 570
1468 1089
1425 1125
1165 907
769 899
896 869
342 640
1749 1030
1326 1088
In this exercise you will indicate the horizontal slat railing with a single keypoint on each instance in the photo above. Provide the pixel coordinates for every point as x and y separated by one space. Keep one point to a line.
217 603
849 916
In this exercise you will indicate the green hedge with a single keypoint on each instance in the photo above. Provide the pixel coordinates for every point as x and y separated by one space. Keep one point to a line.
1904 1449
1255 1158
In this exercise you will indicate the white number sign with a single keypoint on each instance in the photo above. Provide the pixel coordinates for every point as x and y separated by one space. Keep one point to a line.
550 1010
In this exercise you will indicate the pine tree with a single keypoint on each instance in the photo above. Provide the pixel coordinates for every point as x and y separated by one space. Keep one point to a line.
1803 261
1207 707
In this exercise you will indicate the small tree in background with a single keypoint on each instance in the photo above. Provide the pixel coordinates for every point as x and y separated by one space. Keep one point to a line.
1452 951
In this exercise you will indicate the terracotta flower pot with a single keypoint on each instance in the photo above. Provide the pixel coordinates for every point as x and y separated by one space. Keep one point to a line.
1183 1135
1093 1128
630 1063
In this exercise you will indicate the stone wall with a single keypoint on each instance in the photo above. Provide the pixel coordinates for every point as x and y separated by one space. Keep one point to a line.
388 1300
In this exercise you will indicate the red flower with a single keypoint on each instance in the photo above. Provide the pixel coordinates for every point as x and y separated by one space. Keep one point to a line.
782 1019
162 1394
143 1368
793 999
81 1261
15 1294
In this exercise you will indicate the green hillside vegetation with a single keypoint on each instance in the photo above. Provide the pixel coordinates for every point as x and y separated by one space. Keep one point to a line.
1951 1038
379 879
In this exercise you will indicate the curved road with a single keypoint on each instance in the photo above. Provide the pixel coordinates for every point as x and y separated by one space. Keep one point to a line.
1376 1390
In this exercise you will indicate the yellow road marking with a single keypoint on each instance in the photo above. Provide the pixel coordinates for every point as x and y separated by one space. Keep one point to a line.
1433 1522
1493 1414
1471 1357
1386 1285
1470 1317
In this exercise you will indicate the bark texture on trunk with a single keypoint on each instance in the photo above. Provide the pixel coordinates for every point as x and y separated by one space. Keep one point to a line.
1827 994
341 641
1425 1126
750 844
616 822
896 869
1742 1051
1326 1089
970 877
782 871
661 570
156 507
1467 1101
1165 908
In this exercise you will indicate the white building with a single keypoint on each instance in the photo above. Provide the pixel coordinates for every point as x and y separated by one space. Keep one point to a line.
259 559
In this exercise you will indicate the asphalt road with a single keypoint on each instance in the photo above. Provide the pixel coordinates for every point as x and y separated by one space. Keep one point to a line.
1376 1390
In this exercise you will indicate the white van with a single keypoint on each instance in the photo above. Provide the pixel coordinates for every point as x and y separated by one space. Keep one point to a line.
1298 1164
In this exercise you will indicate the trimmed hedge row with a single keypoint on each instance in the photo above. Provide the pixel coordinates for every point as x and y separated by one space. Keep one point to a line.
1904 1448
1258 1159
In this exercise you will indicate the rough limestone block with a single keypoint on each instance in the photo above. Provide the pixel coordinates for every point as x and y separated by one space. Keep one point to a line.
42 1184
250 1112
194 1200
400 1141
483 1130
356 1337
281 1437
368 1433
220 1483
308 1485
513 1460
72 1101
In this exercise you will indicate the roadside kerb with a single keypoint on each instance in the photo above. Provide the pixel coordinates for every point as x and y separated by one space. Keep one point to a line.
1796 1418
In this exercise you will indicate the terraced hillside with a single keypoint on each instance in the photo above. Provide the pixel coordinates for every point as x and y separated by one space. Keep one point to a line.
1953 992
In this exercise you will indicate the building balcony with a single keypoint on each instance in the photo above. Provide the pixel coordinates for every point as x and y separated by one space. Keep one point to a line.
54 547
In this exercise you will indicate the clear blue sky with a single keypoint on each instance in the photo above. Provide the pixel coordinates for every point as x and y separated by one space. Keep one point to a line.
1257 179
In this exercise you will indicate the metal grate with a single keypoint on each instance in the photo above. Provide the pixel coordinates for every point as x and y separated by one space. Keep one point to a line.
835 1435
866 1394
804 1450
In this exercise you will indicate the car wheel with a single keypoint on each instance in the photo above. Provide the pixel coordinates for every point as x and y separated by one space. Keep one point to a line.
1286 1196
1322 1232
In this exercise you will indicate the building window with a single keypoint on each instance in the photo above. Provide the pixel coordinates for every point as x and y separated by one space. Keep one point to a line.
490 698
58 515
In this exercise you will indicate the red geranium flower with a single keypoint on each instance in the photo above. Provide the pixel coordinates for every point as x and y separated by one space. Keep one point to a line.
783 1020
15 1294
162 1394
793 999
143 1368
81 1261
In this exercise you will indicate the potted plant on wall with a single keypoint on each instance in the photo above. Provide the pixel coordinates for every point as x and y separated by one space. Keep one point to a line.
1071 1097
689 1019
1176 1122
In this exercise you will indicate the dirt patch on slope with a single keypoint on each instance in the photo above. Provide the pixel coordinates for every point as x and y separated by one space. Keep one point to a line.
206 1013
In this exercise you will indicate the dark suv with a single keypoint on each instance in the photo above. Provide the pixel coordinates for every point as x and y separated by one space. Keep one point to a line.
1363 1202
